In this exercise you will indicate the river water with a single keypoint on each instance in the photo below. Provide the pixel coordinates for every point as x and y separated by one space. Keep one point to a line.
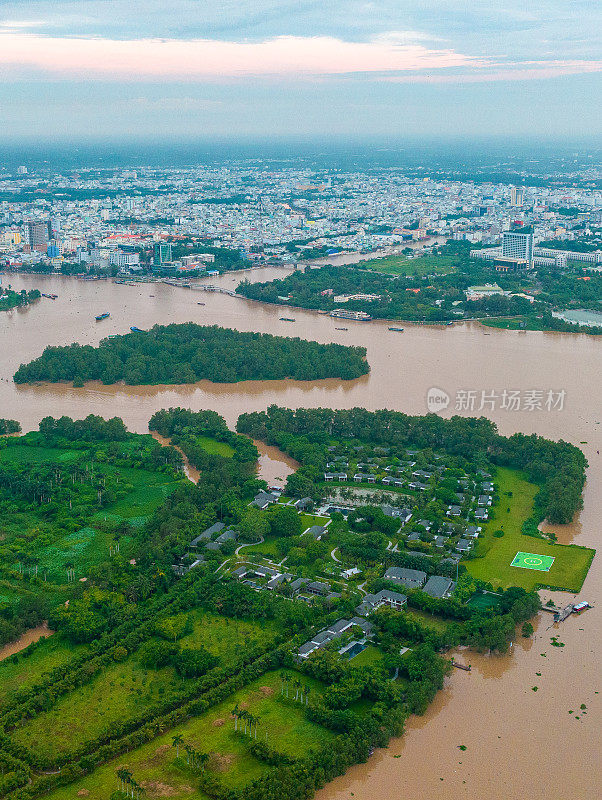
520 743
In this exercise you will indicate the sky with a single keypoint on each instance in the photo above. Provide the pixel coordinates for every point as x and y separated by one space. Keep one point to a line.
299 68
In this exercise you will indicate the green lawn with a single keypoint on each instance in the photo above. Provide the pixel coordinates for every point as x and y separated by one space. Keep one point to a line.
269 547
482 601
215 447
122 689
27 669
230 762
494 556
371 655
402 265
309 520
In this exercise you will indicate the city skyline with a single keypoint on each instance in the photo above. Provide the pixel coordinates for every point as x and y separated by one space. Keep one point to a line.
298 69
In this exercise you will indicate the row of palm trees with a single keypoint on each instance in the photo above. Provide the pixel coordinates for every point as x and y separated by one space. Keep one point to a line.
127 783
302 690
250 721
193 757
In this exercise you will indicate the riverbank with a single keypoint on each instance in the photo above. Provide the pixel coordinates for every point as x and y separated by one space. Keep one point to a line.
27 638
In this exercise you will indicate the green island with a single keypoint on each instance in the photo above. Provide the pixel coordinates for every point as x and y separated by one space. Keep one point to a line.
232 641
12 299
442 287
187 353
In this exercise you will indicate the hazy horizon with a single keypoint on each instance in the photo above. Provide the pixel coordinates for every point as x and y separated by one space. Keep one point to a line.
274 68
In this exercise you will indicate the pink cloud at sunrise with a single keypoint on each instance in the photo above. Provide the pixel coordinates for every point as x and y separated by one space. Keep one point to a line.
201 59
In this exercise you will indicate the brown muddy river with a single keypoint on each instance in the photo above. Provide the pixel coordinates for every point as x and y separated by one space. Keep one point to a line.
520 743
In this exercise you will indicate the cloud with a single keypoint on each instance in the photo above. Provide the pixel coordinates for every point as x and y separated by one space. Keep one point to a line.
202 59
528 70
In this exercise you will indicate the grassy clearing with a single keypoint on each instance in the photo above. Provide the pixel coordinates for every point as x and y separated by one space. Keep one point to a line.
26 671
149 491
494 555
269 548
309 520
37 455
483 602
371 655
215 447
424 618
230 761
402 265
122 689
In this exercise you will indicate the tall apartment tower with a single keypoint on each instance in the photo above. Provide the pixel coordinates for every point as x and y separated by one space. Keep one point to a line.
516 244
37 234
162 253
517 196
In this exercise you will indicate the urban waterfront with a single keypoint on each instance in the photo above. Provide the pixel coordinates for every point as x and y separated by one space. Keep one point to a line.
519 742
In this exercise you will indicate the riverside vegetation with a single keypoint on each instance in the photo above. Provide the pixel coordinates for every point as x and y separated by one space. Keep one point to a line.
157 684
186 353
432 289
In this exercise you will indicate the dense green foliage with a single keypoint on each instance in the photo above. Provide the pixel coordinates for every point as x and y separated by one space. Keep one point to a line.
157 657
558 467
425 295
188 353
188 430
9 426
11 299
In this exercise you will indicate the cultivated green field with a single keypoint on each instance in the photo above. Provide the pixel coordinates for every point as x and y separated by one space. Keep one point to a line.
494 556
402 265
122 689
153 767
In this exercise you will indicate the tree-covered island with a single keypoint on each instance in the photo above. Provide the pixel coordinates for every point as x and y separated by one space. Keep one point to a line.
186 353
246 644
9 298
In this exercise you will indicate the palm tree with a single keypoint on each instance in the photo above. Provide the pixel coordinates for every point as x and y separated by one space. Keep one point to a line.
176 741
122 774
307 691
256 721
203 759
188 752
235 713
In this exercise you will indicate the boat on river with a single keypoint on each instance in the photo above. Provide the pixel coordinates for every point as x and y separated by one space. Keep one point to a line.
50 296
341 329
100 317
396 329
287 319
347 314
134 329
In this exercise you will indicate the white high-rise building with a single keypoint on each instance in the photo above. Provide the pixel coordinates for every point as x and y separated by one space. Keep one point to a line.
517 244
517 196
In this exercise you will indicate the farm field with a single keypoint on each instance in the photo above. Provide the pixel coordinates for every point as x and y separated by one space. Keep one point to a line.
122 689
63 541
495 555
230 761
